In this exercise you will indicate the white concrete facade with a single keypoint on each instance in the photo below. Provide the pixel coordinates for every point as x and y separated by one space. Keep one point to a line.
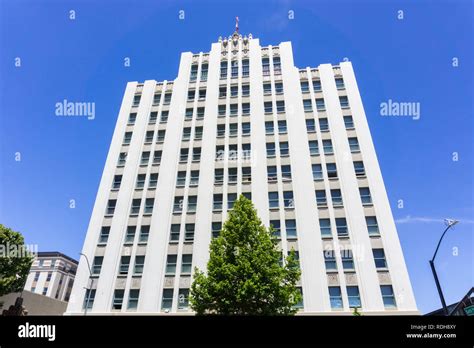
328 286
52 274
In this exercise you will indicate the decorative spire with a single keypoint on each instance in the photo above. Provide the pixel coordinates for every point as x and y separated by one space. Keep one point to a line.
236 24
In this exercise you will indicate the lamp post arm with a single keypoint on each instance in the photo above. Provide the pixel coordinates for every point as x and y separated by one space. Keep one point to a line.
91 281
89 266
439 243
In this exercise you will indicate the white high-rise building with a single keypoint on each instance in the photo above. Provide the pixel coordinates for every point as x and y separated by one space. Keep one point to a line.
242 119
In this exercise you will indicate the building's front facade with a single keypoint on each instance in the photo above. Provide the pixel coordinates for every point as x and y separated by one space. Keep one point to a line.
52 274
242 119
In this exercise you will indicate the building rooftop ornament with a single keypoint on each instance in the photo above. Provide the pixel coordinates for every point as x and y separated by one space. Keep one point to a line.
236 36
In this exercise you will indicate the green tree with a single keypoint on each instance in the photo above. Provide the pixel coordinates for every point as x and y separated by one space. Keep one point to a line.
244 275
15 262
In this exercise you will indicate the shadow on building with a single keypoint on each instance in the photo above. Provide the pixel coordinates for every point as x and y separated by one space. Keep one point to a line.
28 303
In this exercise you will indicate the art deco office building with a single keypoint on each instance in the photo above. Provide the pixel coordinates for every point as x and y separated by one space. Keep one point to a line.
52 274
242 119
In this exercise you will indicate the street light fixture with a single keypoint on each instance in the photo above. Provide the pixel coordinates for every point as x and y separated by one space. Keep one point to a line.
91 281
449 223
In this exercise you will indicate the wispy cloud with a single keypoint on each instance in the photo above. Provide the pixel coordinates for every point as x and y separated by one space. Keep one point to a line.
279 18
277 21
414 219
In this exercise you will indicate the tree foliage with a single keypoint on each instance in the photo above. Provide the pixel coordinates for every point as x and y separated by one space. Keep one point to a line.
15 262
244 275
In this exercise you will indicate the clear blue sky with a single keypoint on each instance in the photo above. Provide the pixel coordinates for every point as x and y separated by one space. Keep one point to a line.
407 60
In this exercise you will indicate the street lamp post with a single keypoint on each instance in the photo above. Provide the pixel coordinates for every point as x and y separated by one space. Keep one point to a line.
449 224
91 282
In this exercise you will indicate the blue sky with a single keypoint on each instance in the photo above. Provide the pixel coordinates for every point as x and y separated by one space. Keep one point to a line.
408 60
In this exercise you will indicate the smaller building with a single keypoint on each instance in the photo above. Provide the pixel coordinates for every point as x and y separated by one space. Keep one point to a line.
52 274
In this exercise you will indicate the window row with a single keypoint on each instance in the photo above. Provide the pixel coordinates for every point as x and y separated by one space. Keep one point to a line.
141 179
336 196
156 99
117 301
331 168
125 265
194 72
268 106
233 152
342 229
187 133
330 260
178 205
232 175
267 88
149 136
167 299
317 85
270 130
285 173
353 295
234 91
189 113
171 263
284 149
233 109
348 262
245 129
274 200
218 204
185 152
132 118
233 129
266 66
193 180
321 105
144 160
324 126
311 125
290 228
175 231
234 67
325 224
200 94
133 297
135 208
